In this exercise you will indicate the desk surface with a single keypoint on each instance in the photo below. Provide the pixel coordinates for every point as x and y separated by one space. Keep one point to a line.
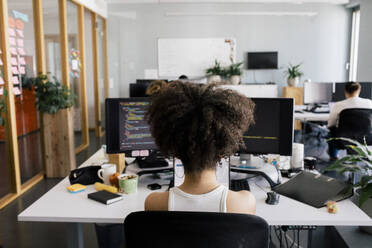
309 116
57 205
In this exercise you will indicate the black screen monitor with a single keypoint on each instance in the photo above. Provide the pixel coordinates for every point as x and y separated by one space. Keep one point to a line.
262 60
339 92
148 81
272 132
126 129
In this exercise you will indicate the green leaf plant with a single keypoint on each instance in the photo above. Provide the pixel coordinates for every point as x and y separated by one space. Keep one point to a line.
51 95
293 71
361 161
3 109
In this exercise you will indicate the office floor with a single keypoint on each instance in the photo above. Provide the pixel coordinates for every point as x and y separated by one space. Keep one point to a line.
26 234
29 158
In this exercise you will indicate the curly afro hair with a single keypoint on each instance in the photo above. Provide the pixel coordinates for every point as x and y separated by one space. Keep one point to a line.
199 124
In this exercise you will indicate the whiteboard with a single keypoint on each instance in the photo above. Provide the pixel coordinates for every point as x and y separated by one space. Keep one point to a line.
191 56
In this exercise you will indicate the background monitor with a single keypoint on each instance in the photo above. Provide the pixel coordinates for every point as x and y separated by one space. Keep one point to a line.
339 93
126 129
262 60
317 92
272 132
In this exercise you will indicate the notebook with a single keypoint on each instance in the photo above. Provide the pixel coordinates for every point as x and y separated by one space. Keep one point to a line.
314 190
105 197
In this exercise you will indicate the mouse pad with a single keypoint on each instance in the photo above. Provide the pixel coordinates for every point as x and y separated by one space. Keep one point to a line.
314 190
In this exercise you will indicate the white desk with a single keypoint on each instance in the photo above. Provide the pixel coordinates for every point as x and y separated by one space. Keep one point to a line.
57 205
305 116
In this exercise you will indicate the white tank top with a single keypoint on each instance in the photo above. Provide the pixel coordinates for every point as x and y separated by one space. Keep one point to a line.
214 201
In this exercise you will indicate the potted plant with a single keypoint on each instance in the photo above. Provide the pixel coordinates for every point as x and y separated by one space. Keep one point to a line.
234 72
360 162
54 101
293 75
215 73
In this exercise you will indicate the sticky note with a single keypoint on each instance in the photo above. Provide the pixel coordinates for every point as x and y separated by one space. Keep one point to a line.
15 80
22 61
22 70
13 61
16 91
12 41
1 81
20 42
21 51
14 70
144 153
1 91
20 33
11 32
13 51
135 153
1 62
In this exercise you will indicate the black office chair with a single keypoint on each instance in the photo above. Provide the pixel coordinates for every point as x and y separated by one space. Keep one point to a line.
174 229
354 124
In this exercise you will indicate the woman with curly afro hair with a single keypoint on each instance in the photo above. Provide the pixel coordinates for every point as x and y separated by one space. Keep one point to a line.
200 124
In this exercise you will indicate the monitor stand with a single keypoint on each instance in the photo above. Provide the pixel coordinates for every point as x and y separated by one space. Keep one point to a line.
250 164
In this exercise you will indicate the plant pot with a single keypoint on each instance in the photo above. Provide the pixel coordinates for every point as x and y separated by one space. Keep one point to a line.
214 79
58 143
293 82
367 208
235 79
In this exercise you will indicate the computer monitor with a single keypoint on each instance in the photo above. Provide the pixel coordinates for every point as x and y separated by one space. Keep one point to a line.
317 92
148 81
262 60
272 132
126 129
339 93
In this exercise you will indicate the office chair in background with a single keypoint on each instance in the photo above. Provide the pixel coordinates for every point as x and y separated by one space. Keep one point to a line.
164 229
354 124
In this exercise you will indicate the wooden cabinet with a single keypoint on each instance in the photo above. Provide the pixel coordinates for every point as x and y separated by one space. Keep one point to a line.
26 114
297 94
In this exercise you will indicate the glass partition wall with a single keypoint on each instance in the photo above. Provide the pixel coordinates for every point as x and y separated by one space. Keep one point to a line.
31 45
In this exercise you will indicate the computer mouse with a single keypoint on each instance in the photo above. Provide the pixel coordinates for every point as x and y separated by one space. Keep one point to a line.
272 198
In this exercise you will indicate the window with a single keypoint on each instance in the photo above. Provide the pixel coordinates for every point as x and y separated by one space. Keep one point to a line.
354 45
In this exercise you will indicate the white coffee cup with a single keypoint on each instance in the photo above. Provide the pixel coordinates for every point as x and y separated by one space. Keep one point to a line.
297 160
106 171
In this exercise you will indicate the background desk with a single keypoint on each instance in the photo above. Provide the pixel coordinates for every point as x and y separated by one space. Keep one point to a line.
305 116
57 205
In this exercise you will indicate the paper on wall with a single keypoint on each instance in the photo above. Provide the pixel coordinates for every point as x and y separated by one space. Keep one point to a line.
21 51
20 42
1 81
11 32
13 51
14 70
15 80
20 33
22 70
12 41
13 61
16 91
22 61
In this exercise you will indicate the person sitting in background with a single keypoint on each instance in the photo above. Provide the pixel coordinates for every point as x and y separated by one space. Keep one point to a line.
155 87
352 91
200 124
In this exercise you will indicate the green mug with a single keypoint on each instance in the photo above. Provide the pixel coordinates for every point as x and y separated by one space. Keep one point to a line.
128 183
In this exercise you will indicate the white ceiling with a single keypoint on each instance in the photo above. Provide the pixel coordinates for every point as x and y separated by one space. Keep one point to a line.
226 1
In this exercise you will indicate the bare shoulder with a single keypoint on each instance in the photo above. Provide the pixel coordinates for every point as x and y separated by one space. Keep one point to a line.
157 201
242 202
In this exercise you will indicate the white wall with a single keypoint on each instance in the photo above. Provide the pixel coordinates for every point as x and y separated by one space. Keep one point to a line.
321 42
